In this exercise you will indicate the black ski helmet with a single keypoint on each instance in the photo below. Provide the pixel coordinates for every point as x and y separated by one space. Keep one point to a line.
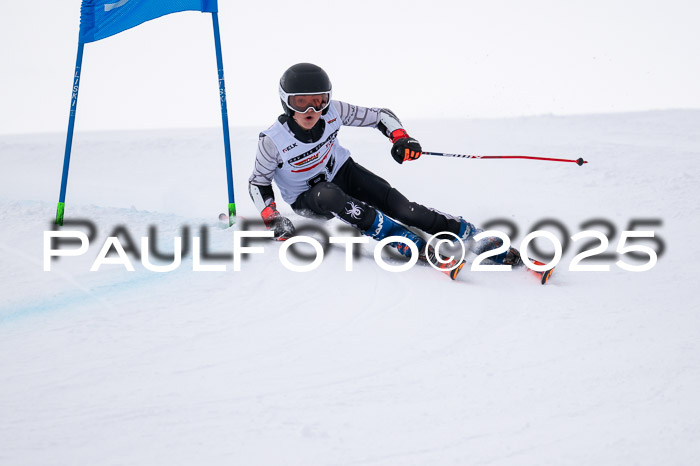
303 78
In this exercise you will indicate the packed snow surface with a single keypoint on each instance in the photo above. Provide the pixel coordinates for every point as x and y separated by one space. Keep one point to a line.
266 366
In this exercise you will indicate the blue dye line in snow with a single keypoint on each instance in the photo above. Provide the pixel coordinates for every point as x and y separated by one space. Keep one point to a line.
76 298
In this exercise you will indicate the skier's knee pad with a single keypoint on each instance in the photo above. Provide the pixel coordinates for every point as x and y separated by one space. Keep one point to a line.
327 197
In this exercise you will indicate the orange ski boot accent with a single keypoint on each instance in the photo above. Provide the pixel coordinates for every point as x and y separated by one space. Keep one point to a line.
544 276
429 256
454 272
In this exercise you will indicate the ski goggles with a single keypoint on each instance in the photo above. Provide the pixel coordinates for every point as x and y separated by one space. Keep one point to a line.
303 102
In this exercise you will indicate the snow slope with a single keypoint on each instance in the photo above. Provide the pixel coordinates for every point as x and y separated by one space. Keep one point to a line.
266 366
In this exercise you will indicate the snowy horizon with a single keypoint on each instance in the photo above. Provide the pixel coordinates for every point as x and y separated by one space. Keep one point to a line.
456 60
255 128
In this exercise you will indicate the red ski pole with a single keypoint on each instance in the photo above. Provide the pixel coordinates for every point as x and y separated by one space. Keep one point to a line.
578 161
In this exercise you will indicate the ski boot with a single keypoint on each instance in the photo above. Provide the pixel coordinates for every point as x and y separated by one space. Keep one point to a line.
511 257
466 230
384 227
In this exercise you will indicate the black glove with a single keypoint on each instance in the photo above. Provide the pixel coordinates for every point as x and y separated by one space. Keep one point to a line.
281 226
405 147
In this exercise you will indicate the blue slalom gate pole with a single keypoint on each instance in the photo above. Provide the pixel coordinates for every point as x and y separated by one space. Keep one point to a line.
224 118
69 136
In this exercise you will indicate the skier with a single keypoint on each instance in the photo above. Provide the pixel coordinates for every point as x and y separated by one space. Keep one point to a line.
319 179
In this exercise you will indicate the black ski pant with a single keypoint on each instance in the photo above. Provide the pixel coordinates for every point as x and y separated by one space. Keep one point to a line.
354 196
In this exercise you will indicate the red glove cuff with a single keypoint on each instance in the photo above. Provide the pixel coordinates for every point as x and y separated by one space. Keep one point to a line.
269 213
398 134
